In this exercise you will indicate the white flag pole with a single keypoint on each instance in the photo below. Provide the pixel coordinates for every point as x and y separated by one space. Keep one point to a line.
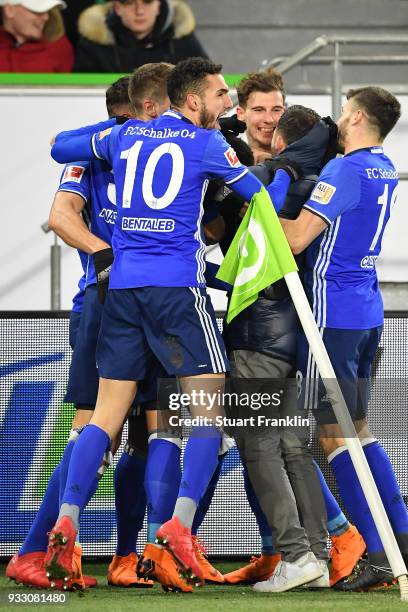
348 430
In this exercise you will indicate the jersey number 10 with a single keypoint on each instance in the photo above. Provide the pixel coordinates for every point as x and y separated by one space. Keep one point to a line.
132 156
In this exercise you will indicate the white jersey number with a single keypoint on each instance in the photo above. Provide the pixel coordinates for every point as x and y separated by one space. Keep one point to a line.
383 201
132 156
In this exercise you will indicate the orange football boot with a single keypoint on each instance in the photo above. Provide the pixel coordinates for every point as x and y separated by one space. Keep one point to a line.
89 582
177 540
28 569
156 563
347 549
210 573
258 569
58 558
122 573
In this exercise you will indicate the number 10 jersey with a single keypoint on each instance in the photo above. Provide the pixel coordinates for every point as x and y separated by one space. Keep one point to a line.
161 170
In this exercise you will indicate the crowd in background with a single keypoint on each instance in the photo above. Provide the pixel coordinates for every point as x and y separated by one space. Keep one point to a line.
86 36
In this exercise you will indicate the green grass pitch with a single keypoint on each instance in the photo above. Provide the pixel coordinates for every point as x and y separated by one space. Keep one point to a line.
220 598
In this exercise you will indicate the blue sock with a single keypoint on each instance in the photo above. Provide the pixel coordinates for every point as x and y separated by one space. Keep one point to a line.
130 501
388 488
336 521
86 459
162 482
353 498
263 526
206 500
37 538
200 461
64 465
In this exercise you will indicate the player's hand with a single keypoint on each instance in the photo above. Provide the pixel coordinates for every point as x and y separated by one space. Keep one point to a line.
332 146
103 261
288 165
232 125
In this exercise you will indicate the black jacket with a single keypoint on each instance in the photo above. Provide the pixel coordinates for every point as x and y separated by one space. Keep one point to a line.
105 45
270 324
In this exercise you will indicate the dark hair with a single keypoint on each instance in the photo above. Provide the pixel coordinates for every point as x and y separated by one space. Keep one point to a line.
189 77
382 108
149 81
117 94
296 122
266 81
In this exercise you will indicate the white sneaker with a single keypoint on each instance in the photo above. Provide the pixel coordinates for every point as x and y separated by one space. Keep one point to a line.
323 582
290 575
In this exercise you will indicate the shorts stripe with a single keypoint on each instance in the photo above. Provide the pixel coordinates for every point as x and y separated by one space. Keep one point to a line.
218 349
217 360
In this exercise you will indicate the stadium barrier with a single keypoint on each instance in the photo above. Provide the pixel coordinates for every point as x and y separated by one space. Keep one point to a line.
34 364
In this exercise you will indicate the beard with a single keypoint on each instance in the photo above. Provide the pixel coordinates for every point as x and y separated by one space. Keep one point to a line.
341 138
207 121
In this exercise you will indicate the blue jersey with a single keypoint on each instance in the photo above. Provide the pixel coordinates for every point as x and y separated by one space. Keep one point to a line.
162 170
354 195
93 181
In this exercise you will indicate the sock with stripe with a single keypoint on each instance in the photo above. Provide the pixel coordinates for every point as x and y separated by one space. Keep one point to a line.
355 502
336 521
264 530
200 461
162 481
130 501
206 500
37 538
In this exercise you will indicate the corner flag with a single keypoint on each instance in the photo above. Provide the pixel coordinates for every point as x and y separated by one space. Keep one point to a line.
258 256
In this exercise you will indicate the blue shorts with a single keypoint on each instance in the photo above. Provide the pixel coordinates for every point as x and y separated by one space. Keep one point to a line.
176 324
351 352
83 379
74 319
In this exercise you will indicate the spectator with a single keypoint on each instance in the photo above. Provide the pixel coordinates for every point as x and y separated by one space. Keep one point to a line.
70 16
32 37
119 36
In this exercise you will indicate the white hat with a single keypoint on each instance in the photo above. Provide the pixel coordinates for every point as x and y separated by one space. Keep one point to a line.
37 6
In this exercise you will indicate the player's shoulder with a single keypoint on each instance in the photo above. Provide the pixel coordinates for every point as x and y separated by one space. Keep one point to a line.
74 172
341 168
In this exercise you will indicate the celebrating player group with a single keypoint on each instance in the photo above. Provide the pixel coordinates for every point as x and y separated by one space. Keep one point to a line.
140 196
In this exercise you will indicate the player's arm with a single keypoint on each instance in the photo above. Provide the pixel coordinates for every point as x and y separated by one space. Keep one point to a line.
302 231
337 190
66 221
86 146
87 129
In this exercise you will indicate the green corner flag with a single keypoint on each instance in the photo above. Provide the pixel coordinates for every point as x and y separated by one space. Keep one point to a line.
258 256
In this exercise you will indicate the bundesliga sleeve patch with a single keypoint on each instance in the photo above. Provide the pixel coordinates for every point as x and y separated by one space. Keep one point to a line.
73 174
232 158
323 193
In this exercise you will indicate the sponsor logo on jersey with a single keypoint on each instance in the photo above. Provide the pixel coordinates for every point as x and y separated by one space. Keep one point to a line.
144 224
73 174
232 158
323 192
381 173
109 215
368 262
149 132
104 133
